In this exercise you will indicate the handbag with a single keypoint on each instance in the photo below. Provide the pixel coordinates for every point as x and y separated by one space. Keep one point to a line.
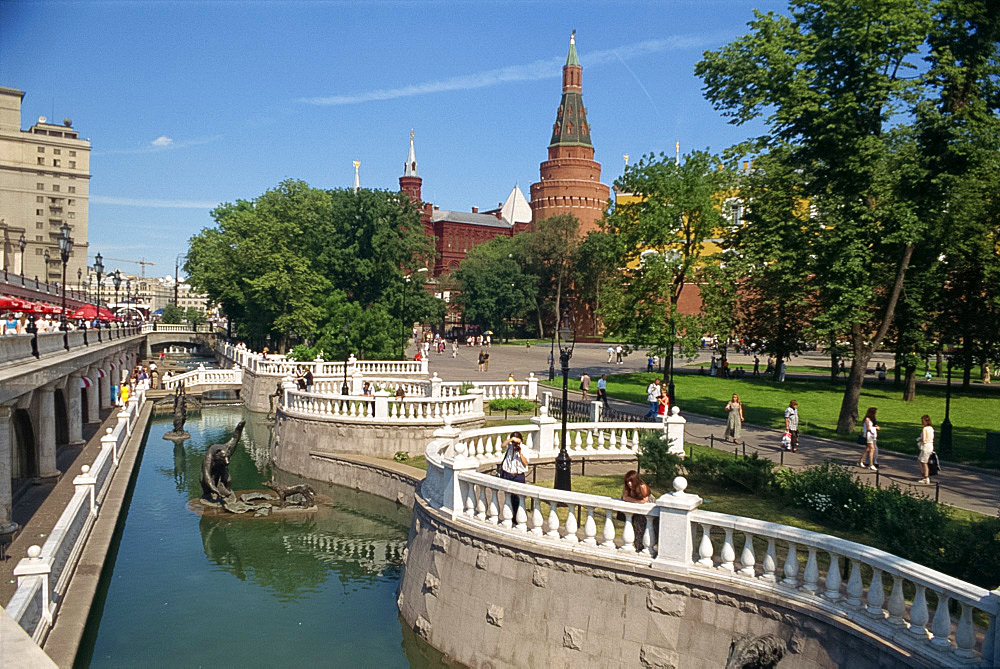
933 464
861 440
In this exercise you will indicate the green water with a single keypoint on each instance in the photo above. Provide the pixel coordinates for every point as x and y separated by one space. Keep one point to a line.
308 589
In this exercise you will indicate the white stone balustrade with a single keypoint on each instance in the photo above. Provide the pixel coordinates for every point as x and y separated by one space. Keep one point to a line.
201 376
845 580
496 390
383 407
43 576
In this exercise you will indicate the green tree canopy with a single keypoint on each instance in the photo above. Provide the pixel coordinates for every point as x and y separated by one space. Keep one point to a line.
495 288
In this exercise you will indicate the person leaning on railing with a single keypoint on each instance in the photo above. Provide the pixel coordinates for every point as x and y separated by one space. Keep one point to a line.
636 491
514 465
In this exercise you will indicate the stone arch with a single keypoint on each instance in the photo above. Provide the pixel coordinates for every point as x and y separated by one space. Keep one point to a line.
61 416
84 407
24 463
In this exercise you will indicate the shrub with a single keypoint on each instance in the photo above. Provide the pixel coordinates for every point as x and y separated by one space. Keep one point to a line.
465 388
517 404
303 353
401 456
656 462
907 525
829 492
754 473
972 552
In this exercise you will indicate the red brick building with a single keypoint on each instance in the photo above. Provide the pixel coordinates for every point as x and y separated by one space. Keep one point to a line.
570 178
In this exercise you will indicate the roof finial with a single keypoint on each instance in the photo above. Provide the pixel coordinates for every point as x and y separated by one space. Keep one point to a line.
410 168
357 177
572 37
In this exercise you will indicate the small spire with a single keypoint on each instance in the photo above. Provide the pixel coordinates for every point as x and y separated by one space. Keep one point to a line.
677 153
410 168
571 58
357 177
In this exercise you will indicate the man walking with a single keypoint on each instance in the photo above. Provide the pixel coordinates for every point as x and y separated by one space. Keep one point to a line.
618 354
792 425
584 386
602 389
653 397
611 353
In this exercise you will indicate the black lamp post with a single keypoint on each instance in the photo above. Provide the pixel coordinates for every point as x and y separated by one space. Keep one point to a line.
402 309
23 243
79 281
128 299
48 259
567 340
344 390
552 357
65 249
99 270
116 279
946 423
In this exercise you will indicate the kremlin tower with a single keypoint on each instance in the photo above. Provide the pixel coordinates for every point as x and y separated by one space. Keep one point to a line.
570 178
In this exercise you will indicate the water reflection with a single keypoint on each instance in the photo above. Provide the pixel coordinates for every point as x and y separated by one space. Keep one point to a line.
298 588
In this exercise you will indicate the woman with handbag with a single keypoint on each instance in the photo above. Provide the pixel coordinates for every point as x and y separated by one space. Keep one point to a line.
514 466
926 445
870 433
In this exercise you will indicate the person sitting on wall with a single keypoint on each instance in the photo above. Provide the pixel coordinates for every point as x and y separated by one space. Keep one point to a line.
514 466
636 491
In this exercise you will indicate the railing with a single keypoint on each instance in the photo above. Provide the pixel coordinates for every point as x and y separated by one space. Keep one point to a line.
278 365
495 390
673 535
381 407
202 376
44 575
188 328
23 347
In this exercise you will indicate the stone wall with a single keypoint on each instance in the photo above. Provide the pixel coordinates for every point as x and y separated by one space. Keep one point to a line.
296 439
389 480
257 389
518 604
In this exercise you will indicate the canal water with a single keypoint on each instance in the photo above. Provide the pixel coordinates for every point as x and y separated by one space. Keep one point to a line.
182 589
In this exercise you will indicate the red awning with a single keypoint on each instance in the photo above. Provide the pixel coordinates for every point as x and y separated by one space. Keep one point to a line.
14 303
85 382
89 311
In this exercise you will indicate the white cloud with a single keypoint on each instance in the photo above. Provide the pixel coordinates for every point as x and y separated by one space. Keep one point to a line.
162 140
161 204
540 69
161 143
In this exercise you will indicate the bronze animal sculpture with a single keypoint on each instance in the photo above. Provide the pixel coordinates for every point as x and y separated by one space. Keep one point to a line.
284 491
215 479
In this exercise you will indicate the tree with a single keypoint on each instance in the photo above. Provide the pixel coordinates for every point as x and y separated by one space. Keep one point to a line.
594 266
172 314
830 79
547 252
660 240
296 262
494 286
194 316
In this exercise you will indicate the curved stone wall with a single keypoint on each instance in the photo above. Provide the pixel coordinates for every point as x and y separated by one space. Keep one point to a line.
517 604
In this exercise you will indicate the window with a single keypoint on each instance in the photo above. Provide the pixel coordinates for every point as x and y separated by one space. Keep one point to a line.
39 198
57 151
39 212
72 189
71 202
72 154
71 214
41 149
39 186
41 160
38 252
39 225
55 188
55 163
72 164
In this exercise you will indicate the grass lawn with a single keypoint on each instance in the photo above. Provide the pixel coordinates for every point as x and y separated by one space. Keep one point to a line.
973 412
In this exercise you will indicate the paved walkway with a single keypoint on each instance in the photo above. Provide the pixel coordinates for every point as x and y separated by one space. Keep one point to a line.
963 487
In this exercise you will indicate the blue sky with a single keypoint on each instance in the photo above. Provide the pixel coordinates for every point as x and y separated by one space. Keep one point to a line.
188 104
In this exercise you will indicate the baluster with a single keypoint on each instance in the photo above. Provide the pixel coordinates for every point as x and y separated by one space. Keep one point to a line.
590 528
612 442
470 499
553 532
600 440
897 605
577 441
481 503
705 549
571 526
833 579
965 633
728 552
609 531
918 612
854 585
507 510
628 535
876 595
989 640
770 562
747 558
589 443
810 577
941 625
791 568
536 516
522 516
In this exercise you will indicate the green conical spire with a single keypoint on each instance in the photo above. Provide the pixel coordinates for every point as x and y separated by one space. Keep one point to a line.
571 58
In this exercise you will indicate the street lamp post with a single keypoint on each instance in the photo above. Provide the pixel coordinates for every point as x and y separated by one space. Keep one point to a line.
567 340
79 281
23 243
116 278
344 390
402 309
128 299
946 423
65 249
99 270
48 259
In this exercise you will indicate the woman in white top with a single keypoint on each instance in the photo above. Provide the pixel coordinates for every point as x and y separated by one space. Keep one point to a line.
514 465
926 443
871 438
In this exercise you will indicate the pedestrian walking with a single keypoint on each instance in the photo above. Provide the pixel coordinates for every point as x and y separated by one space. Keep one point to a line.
584 386
611 353
792 425
870 435
454 348
734 423
486 361
649 363
602 389
480 364
756 366
781 373
618 354
926 444
653 397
